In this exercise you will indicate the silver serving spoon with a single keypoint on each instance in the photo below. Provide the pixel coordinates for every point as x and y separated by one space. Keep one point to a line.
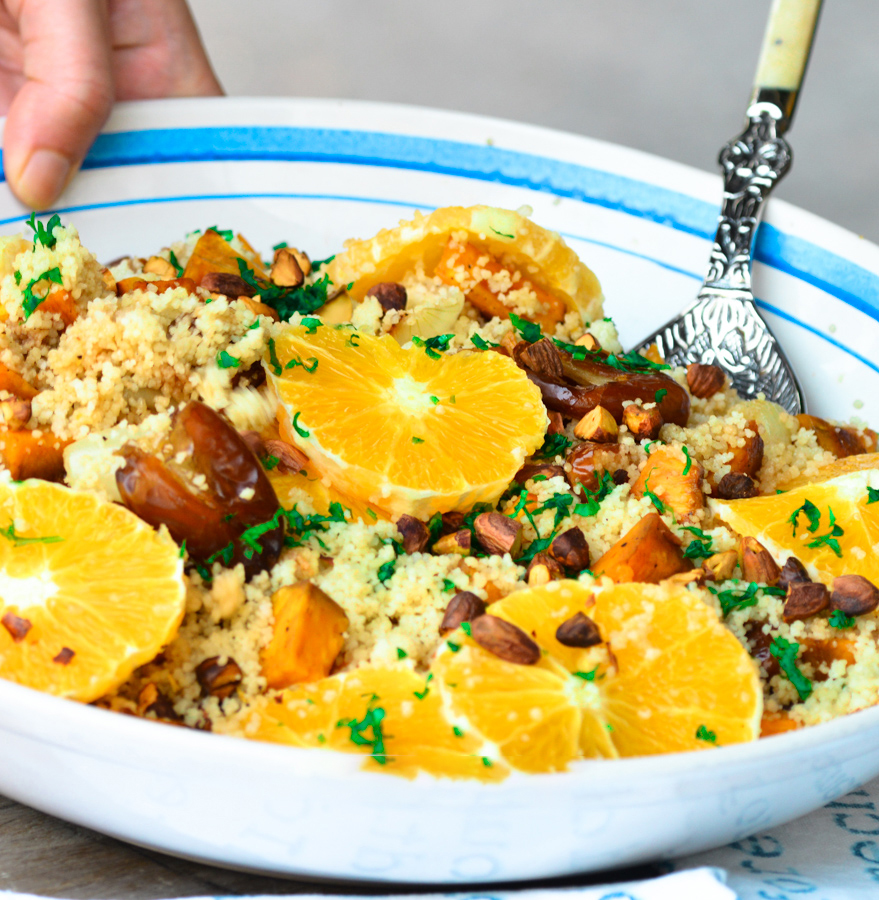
723 326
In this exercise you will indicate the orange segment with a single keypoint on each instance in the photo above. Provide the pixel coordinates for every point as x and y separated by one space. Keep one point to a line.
84 576
515 241
415 734
859 463
402 430
769 520
669 669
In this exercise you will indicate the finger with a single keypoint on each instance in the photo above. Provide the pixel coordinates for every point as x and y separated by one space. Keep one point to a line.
157 51
65 99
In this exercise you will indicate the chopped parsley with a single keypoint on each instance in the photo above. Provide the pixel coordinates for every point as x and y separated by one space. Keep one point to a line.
587 676
317 263
487 762
448 585
560 503
226 360
371 722
224 553
530 331
296 361
829 539
465 627
281 245
689 464
274 362
457 731
872 495
352 340
501 234
660 506
298 428
17 275
31 302
732 599
183 549
287 301
417 440
422 694
553 445
44 234
659 396
453 646
270 462
371 513
225 233
840 620
386 571
594 498
786 654
811 512
311 324
703 734
304 526
19 541
481 344
433 345
172 258
401 653
434 400
699 548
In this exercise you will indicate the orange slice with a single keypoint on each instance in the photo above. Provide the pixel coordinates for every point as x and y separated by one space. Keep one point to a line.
404 430
843 545
673 672
505 236
391 715
88 591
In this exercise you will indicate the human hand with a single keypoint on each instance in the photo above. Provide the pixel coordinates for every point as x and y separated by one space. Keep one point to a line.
62 65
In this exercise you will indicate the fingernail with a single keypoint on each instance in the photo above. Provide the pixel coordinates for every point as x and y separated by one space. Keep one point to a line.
43 178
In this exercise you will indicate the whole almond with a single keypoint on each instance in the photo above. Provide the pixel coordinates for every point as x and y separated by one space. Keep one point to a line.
498 534
793 572
231 286
571 550
389 294
465 606
704 380
542 569
290 459
414 532
505 640
644 424
854 595
457 543
578 631
757 563
804 599
542 357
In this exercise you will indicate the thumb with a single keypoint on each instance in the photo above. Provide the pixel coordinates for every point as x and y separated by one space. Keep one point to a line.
65 99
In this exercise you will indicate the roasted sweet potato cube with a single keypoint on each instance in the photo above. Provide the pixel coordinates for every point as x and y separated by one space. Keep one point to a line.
664 475
840 440
61 301
648 552
308 635
214 254
777 723
31 454
14 384
747 459
483 297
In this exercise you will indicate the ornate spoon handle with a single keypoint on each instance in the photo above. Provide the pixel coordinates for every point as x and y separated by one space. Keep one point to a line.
723 326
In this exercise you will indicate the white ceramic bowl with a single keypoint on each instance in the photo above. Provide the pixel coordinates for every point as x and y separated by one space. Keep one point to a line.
314 173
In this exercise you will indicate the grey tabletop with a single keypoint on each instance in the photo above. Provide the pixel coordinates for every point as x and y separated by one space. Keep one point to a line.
670 78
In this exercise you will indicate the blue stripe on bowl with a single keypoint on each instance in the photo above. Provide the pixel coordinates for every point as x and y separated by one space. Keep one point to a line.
839 277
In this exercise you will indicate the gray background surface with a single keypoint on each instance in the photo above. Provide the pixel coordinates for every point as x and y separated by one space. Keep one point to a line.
671 77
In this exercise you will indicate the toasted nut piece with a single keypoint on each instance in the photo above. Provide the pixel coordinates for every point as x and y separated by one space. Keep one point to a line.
535 470
15 413
389 294
157 265
64 656
734 486
498 534
228 285
509 342
571 550
542 569
505 640
589 341
543 358
465 606
704 381
218 680
290 459
748 459
414 532
663 475
452 521
286 271
793 572
696 576
720 566
854 595
109 280
301 258
643 423
152 700
578 631
457 542
598 426
804 599
556 422
259 309
16 626
307 636
648 552
757 563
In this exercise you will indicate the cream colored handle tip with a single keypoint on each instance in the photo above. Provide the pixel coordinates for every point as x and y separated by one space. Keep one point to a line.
787 43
